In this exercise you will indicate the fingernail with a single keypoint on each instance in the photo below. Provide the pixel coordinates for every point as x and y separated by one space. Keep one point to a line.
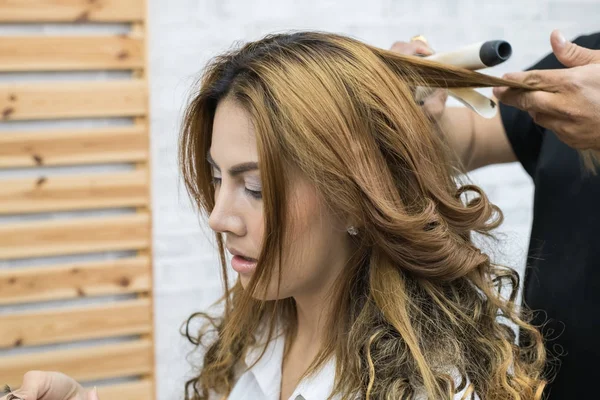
95 393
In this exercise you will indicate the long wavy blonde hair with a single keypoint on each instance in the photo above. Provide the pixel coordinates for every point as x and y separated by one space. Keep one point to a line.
419 303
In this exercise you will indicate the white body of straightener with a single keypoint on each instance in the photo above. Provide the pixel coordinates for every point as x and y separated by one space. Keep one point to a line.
475 56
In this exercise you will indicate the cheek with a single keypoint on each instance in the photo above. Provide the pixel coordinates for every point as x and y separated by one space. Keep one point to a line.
256 231
308 246
306 235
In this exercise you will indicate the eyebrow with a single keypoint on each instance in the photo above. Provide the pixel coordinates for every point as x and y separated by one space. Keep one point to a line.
236 169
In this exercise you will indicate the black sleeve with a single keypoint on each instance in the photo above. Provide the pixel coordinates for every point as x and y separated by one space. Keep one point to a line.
526 136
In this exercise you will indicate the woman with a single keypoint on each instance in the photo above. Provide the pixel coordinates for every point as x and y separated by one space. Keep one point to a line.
358 277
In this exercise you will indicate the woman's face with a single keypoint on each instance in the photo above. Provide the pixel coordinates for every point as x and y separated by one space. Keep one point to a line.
318 243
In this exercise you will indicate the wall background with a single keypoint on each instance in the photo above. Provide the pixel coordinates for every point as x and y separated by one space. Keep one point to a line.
184 34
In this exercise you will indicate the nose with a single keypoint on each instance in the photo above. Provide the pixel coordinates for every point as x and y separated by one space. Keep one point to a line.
225 218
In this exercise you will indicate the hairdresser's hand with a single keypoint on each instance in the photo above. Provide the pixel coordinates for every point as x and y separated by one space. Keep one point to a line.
435 103
42 385
571 108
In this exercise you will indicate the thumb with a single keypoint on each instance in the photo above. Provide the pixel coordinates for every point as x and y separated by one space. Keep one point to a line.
33 381
93 394
570 54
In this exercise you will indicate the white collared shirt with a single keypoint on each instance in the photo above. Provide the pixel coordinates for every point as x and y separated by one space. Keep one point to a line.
263 380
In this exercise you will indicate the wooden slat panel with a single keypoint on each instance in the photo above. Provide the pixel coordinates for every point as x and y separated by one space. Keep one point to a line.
83 364
106 145
120 276
60 193
80 323
70 53
119 98
139 390
83 235
71 10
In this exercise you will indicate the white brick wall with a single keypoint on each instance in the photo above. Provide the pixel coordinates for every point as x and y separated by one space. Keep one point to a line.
184 34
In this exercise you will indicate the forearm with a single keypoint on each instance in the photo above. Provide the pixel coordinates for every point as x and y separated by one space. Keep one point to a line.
477 141
457 126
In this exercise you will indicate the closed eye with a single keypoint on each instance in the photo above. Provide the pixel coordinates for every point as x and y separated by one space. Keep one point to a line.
256 194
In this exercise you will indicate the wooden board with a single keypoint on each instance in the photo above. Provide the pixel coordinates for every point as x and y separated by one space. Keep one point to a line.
71 10
26 101
76 236
74 192
132 317
52 100
130 358
85 279
70 53
139 390
68 147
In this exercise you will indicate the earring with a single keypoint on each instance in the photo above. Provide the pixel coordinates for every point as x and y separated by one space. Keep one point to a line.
352 231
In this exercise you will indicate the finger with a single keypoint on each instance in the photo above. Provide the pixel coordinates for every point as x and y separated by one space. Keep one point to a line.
416 47
564 129
435 104
31 387
93 394
570 54
499 91
535 100
423 51
543 119
18 394
422 92
548 80
427 93
422 48
439 96
551 122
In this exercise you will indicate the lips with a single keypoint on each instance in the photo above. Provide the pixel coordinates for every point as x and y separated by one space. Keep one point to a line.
235 252
241 263
243 266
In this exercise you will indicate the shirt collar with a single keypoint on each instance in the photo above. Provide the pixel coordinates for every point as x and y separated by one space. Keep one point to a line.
319 385
267 370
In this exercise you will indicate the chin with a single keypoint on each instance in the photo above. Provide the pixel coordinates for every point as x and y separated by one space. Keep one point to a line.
270 295
244 280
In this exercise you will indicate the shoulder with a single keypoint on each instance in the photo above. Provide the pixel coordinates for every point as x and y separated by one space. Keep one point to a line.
591 41
471 395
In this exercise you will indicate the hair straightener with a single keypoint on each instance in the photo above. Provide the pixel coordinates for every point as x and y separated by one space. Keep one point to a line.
475 56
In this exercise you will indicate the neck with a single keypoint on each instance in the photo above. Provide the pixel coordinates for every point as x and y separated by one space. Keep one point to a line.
313 309
312 316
